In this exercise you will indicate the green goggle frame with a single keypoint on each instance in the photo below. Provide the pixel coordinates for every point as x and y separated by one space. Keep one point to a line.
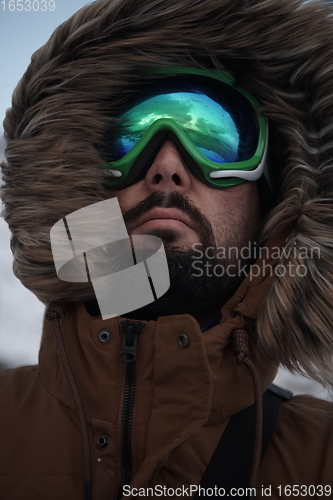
133 165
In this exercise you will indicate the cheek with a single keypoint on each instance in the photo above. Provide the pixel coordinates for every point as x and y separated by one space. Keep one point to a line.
128 197
251 211
235 216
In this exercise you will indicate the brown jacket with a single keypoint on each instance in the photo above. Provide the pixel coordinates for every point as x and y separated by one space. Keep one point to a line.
184 398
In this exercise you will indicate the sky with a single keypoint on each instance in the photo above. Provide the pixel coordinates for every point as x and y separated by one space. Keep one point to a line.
21 314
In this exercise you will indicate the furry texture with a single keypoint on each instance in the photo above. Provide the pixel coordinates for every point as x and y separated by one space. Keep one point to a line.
66 102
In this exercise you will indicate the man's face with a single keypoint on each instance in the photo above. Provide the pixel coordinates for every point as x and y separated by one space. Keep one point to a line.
173 204
233 213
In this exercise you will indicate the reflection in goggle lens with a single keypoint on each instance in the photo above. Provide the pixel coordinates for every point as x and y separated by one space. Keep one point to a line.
212 128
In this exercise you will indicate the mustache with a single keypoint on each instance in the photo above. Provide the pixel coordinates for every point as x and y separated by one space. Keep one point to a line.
171 199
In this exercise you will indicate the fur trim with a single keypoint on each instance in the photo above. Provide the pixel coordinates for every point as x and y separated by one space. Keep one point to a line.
66 102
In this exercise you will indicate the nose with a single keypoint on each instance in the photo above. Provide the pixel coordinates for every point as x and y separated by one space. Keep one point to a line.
168 171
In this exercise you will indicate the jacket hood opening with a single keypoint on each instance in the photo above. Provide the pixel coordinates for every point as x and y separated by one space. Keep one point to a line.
279 51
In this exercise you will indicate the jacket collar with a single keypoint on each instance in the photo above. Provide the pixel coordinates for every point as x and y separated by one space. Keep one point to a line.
209 364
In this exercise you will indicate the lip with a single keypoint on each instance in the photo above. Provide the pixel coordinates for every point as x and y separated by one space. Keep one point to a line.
164 213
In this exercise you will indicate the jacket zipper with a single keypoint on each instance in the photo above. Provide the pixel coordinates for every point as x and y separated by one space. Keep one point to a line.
127 355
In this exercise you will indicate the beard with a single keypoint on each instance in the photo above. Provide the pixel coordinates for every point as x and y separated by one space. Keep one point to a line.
193 289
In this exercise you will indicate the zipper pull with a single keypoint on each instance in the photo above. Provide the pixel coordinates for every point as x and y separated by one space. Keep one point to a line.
129 344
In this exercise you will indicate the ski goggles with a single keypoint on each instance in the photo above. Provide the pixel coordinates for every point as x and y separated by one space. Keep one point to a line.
214 123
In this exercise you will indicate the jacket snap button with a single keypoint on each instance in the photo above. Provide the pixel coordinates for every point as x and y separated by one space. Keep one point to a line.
103 442
105 336
183 340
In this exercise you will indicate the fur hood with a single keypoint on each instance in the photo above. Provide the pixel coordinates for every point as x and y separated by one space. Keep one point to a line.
66 102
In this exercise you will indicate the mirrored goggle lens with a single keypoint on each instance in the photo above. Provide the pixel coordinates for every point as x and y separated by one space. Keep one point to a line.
219 120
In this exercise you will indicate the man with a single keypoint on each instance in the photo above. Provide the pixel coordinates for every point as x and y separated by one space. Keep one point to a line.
142 399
